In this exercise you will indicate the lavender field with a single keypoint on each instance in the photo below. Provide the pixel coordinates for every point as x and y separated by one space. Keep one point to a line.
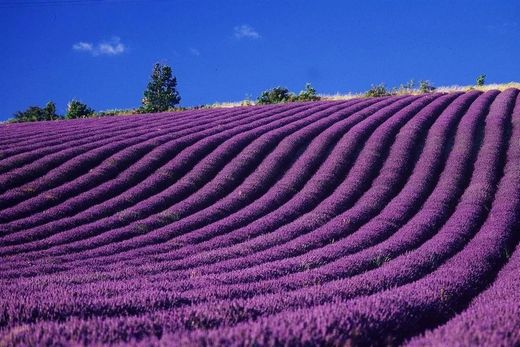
366 222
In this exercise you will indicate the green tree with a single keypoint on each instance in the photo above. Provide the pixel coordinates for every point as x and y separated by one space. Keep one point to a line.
481 80
308 94
161 92
282 94
377 91
275 95
77 109
50 111
426 87
36 113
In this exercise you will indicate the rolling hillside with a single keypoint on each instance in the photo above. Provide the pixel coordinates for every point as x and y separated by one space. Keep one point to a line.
370 221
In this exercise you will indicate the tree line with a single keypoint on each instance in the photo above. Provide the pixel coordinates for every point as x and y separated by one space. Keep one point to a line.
161 95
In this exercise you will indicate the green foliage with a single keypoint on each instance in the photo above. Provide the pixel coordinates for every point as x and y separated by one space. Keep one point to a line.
377 91
274 96
426 87
77 109
481 80
161 93
35 113
308 94
50 111
282 94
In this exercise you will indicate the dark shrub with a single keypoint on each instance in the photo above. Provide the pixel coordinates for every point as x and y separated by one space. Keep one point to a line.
481 80
35 113
77 109
274 96
377 91
426 87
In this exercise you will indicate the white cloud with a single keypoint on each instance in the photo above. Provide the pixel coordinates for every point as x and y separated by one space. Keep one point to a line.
82 46
245 31
111 47
195 52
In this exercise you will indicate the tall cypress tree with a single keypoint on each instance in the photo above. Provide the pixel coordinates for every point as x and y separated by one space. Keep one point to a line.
161 92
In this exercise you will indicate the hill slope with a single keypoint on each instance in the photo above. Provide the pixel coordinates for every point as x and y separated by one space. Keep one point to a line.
367 221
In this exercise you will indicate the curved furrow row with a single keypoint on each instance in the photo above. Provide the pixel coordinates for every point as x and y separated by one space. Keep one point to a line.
163 135
159 150
367 235
297 205
390 273
392 217
372 123
492 319
372 181
385 316
14 192
246 252
411 125
368 222
70 207
36 131
21 155
392 315
285 187
471 208
229 175
40 131
313 151
72 157
61 136
221 155
418 179
467 129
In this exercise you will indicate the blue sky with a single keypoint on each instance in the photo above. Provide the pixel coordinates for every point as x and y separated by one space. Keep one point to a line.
102 52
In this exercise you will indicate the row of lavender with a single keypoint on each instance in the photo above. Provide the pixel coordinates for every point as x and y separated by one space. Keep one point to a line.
370 221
